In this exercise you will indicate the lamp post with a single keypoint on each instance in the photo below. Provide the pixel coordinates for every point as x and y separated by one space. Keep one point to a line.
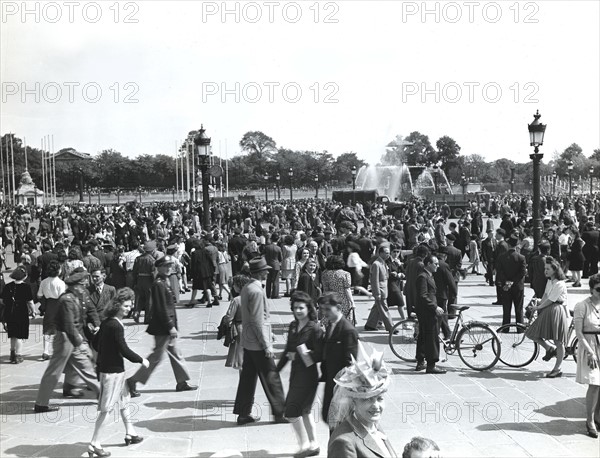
512 180
435 178
99 191
570 168
89 190
118 196
80 170
325 187
173 190
277 180
536 139
463 182
291 175
353 184
591 180
316 186
202 143
266 177
554 183
140 193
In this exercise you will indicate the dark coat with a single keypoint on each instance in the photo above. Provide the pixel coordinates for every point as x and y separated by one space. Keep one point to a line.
273 256
414 267
426 294
536 266
444 282
111 347
101 300
164 316
511 266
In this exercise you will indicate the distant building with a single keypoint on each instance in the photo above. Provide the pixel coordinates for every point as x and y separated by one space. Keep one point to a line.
70 155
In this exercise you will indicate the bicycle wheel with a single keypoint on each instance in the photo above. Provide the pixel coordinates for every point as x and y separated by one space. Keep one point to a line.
517 350
475 344
404 344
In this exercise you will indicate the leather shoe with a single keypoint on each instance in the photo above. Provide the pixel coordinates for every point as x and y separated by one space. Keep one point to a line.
133 392
420 366
368 328
245 420
72 393
435 370
496 303
550 354
42 409
185 386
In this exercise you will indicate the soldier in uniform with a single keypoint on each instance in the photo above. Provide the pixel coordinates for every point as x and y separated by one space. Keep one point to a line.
143 276
163 326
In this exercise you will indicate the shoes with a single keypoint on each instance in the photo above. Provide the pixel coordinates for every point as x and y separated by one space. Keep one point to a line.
133 392
496 303
219 297
396 332
19 359
591 431
43 409
185 386
435 370
281 419
215 302
190 305
549 354
45 356
13 357
420 366
72 393
245 420
95 451
369 328
554 374
576 285
133 439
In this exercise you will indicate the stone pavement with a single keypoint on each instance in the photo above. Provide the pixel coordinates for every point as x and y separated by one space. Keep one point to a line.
504 412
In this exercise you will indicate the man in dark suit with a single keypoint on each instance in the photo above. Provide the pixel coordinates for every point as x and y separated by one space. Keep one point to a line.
536 269
501 248
428 344
100 293
143 276
454 260
446 288
488 254
414 266
511 278
163 326
274 258
44 260
236 246
341 344
464 235
591 249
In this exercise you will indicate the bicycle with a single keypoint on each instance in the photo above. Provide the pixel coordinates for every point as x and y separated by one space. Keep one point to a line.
519 351
473 340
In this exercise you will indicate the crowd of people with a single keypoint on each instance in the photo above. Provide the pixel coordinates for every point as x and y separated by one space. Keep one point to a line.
88 268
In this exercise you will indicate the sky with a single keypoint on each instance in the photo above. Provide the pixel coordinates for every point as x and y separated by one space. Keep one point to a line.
337 76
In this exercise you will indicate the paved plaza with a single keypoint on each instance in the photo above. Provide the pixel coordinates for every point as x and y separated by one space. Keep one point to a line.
505 412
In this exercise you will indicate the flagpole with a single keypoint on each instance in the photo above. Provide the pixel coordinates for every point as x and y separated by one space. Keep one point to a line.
53 169
2 165
176 173
181 163
44 168
12 159
226 170
25 144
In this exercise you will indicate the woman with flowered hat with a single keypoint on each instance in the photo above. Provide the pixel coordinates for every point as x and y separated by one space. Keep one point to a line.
356 409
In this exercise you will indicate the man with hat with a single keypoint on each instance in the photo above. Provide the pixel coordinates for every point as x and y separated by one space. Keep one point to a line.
236 246
143 276
454 260
70 351
488 254
163 326
511 271
258 349
501 248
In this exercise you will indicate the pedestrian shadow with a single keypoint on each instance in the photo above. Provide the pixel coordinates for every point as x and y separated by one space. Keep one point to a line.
198 405
48 450
569 408
250 454
525 375
204 358
378 339
554 428
188 423
202 335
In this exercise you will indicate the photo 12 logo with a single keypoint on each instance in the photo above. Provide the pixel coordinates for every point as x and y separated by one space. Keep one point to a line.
63 12
69 91
470 12
468 91
270 12
271 92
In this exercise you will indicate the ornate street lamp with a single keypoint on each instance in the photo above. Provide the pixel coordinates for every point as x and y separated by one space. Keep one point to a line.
536 139
570 167
277 180
316 186
554 175
512 180
266 178
140 193
436 170
591 179
291 175
202 143
118 196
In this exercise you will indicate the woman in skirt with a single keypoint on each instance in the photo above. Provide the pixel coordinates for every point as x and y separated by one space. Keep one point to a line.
51 288
552 321
288 265
303 349
18 306
111 346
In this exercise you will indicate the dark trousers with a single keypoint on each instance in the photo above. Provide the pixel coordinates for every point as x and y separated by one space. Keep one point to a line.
257 365
272 287
143 296
443 303
489 273
514 296
428 343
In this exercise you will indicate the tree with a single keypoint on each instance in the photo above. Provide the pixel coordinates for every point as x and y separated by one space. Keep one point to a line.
572 153
420 152
447 152
595 155
258 144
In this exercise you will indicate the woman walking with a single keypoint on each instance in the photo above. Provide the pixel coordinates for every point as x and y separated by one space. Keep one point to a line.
303 349
575 257
18 306
112 347
552 321
308 281
336 280
51 288
587 328
288 265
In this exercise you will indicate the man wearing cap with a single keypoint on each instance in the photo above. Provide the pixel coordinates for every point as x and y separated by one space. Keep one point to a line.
163 326
274 258
511 270
70 351
143 276
258 349
501 248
